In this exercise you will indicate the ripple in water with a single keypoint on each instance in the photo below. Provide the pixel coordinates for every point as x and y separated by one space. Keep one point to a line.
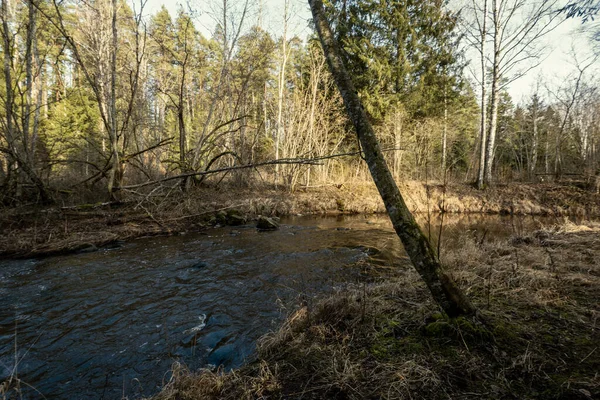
112 322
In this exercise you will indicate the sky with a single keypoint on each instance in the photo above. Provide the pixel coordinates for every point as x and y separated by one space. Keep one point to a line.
271 17
555 69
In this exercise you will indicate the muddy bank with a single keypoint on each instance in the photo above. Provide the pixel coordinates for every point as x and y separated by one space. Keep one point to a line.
33 232
537 336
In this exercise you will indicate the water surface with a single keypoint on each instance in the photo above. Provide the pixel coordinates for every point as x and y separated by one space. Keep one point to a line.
110 323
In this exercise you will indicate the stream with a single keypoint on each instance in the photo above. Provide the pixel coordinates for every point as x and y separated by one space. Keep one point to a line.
110 323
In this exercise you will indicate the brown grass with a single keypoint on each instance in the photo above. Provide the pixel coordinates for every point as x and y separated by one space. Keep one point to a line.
537 336
30 232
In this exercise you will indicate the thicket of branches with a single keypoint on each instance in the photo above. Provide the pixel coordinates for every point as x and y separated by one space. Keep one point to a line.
99 99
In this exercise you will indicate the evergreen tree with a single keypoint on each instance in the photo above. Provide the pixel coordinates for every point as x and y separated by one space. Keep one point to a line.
399 51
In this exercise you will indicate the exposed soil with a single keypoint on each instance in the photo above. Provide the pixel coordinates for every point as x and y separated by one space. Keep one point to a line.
33 231
537 335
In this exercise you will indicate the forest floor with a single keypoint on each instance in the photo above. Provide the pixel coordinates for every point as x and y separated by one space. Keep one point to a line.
537 335
30 231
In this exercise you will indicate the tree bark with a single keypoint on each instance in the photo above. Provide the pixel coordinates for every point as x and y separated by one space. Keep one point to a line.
116 172
181 116
281 87
483 122
535 139
443 289
491 142
8 81
547 154
445 133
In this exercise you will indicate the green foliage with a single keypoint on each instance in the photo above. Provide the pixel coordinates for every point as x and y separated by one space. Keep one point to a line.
72 127
400 51
219 95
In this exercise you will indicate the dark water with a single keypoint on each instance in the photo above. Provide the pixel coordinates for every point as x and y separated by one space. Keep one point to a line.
111 323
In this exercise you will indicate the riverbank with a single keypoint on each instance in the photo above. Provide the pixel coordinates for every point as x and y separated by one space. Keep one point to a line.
36 232
538 295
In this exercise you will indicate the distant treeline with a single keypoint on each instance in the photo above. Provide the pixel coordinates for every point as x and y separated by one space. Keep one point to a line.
98 98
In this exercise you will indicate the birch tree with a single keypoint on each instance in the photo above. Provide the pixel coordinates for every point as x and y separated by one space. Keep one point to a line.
516 28
281 80
567 99
477 34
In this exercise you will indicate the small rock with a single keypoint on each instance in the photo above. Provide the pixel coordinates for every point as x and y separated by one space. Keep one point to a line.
235 220
87 248
231 218
221 217
117 244
266 224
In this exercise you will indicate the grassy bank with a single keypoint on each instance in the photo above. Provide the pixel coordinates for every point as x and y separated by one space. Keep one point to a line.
537 336
31 231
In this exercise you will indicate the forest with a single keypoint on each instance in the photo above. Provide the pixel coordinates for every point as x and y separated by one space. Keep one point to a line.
101 100
198 202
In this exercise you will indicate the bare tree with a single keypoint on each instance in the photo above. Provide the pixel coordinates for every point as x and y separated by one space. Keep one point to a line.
516 30
281 80
567 99
477 37
515 43
95 48
231 25
21 117
116 173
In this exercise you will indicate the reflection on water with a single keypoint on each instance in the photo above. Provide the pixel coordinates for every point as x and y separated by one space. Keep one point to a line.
111 323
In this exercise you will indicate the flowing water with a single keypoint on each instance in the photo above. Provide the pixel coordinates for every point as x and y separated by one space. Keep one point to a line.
110 323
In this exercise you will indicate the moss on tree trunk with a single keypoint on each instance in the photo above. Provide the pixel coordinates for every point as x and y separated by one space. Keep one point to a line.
443 289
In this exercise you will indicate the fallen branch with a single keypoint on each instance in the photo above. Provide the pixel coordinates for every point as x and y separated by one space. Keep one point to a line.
154 146
203 213
281 161
108 166
215 159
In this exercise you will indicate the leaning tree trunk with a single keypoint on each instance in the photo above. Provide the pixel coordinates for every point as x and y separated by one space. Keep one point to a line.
443 289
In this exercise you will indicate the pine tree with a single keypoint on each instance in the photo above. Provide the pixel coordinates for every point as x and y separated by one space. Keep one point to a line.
399 51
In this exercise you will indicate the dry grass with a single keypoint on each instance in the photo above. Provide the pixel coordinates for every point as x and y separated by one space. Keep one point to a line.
30 232
538 296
